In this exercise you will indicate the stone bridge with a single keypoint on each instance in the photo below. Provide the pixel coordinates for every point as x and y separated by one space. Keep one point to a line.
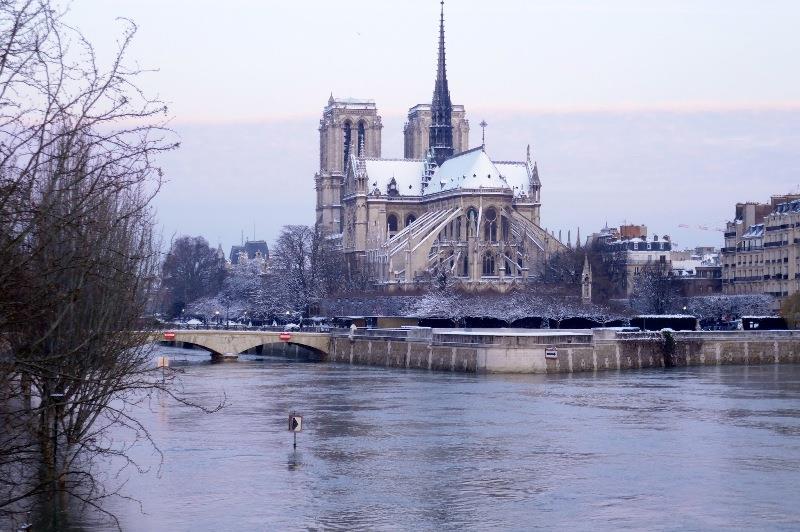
225 342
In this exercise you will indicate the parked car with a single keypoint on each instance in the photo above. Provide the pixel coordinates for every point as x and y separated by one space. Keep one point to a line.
291 327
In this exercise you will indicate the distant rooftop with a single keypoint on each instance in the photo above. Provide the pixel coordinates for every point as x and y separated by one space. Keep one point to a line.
349 103
427 107
251 247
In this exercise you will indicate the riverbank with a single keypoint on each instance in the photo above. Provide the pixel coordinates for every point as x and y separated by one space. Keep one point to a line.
560 351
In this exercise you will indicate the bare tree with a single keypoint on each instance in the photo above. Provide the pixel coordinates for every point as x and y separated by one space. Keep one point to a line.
654 290
77 254
191 270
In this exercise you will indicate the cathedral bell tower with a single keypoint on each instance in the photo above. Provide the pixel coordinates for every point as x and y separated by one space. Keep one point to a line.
348 127
441 130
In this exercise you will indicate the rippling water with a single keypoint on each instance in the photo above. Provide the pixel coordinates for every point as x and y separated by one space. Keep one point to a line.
384 449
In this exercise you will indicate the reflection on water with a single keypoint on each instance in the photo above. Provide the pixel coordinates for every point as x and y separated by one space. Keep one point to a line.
383 449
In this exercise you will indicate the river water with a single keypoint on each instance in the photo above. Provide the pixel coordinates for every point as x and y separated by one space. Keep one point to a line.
386 449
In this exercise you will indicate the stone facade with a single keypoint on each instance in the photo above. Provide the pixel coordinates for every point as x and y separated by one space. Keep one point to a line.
417 136
762 249
347 127
444 211
496 351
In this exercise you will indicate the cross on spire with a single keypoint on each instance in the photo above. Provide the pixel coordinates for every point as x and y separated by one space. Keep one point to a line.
483 125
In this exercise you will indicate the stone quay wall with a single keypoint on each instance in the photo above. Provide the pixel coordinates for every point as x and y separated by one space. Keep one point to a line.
560 351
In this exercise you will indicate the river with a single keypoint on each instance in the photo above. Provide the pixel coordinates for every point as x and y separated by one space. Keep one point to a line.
702 448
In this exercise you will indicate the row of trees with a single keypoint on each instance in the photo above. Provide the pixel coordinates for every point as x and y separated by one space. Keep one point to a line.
303 268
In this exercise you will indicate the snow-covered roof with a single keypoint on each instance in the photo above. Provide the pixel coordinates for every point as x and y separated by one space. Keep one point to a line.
690 266
407 174
516 174
754 231
469 170
788 207
513 332
350 103
427 107
669 316
473 170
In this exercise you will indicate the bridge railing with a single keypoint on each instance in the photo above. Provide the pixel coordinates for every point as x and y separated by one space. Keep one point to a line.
241 327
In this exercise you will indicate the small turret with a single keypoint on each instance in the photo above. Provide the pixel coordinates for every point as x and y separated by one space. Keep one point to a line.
586 281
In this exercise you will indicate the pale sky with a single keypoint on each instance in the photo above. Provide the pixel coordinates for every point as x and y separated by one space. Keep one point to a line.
656 112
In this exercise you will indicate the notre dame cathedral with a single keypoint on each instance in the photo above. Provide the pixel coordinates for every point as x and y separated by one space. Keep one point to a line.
444 210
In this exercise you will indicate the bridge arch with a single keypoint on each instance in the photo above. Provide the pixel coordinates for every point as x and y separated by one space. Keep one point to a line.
235 342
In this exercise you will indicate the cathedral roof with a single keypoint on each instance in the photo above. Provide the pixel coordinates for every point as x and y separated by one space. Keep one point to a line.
516 174
350 103
473 169
469 170
407 174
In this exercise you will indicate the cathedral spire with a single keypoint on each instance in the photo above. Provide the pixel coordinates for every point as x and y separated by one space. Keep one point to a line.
441 130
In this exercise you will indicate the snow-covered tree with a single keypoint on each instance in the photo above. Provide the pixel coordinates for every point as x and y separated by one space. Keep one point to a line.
729 307
654 290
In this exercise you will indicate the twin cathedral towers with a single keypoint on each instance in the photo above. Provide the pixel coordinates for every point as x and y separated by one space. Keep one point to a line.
443 211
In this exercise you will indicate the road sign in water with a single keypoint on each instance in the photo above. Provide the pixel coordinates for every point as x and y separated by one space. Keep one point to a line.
295 426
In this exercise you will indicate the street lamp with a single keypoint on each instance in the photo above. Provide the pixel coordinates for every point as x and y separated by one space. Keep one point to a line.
216 317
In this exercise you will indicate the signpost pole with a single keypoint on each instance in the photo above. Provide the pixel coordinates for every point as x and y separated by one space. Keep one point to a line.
295 426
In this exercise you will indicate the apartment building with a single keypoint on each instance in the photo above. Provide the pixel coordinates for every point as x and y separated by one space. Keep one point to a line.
762 248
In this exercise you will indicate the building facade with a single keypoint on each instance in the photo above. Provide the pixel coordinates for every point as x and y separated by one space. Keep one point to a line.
443 211
631 251
251 249
762 248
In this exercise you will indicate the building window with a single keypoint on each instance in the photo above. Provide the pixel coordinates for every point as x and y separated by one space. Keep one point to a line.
391 222
362 140
490 225
410 219
348 137
488 264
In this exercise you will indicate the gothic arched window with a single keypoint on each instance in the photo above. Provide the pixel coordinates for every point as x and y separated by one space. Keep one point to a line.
488 264
348 137
490 225
391 222
465 266
410 219
362 138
